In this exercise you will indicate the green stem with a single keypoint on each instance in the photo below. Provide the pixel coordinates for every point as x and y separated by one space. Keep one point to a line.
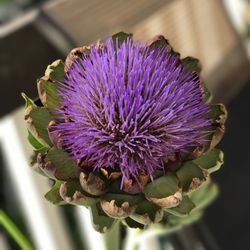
14 232
112 238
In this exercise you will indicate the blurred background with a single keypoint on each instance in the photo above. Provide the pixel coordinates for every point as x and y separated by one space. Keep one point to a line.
33 33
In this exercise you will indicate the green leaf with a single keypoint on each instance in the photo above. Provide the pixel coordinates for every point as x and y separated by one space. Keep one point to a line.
101 222
191 64
120 37
38 147
38 120
208 97
93 183
178 221
55 71
204 195
28 101
34 142
183 209
48 94
187 172
48 85
33 158
147 213
71 187
14 232
72 193
218 113
162 187
54 196
74 56
113 210
35 165
37 135
211 160
159 42
65 167
121 198
162 42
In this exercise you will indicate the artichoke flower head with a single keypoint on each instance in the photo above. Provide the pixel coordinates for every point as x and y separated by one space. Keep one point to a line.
127 129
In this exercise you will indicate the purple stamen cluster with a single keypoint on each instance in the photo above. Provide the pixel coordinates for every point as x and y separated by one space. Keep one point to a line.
130 108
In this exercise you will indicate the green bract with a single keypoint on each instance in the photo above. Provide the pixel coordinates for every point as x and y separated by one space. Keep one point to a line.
174 198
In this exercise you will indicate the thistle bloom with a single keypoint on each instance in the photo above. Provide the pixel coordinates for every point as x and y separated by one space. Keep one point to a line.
131 107
127 130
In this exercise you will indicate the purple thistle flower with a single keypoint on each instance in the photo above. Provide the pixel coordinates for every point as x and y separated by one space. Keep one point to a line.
130 108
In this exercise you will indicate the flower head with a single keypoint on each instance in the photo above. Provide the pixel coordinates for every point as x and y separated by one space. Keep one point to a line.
131 107
132 111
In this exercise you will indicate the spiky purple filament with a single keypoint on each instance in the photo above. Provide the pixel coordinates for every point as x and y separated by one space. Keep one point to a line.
131 107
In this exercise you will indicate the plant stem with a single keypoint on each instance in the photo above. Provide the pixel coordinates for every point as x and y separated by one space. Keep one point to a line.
14 232
112 238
